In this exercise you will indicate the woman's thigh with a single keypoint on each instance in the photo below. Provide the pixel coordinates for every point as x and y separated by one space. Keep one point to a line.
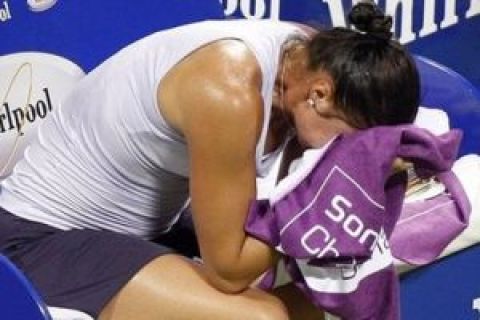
175 288
77 269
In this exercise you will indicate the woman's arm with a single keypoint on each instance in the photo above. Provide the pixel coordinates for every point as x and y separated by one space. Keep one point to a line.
221 116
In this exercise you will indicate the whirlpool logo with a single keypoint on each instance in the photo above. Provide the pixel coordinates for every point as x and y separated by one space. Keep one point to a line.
31 88
14 118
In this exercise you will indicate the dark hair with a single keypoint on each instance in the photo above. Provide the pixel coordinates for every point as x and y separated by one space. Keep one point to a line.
376 79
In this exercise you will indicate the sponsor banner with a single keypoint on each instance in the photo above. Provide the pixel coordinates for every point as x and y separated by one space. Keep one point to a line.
90 31
413 20
424 26
31 87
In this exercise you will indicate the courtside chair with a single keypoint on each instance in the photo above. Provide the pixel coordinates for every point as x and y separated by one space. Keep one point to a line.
445 89
446 289
19 300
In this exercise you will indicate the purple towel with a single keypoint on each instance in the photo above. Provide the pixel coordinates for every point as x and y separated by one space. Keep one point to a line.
432 222
333 221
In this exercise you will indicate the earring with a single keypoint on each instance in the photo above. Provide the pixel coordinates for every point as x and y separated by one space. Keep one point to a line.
311 102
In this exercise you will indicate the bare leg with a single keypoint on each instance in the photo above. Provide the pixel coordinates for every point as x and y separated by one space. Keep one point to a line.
173 288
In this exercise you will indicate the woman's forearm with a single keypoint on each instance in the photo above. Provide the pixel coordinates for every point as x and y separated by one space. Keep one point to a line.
239 271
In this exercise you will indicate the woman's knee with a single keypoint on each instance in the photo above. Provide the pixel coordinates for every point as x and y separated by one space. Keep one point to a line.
273 313
267 306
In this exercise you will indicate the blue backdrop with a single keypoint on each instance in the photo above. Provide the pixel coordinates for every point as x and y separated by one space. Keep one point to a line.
447 31
88 31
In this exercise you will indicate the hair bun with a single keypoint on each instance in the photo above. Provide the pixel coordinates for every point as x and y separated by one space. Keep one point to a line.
367 17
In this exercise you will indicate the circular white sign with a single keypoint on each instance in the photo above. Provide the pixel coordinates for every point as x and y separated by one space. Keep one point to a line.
31 87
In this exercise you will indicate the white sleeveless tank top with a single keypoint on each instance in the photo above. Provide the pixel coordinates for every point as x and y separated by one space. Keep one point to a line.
106 158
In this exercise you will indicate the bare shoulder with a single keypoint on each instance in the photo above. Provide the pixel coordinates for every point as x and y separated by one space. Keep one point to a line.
229 58
221 79
227 62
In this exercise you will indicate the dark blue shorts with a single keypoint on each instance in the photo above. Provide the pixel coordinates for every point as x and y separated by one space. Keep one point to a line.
80 269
